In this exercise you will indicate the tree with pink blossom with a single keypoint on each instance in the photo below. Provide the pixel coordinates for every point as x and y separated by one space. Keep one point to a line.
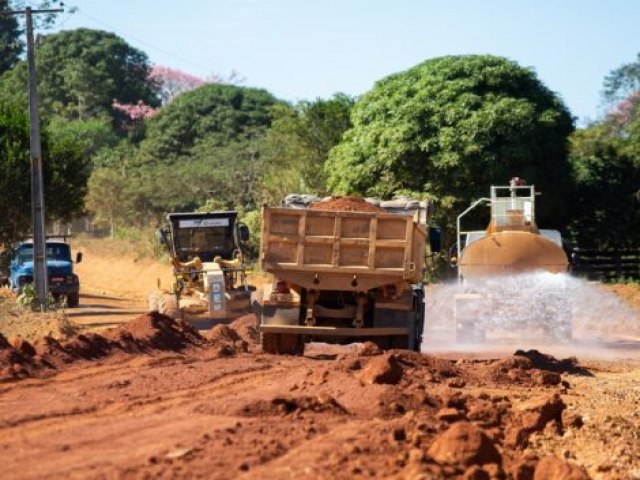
135 111
173 82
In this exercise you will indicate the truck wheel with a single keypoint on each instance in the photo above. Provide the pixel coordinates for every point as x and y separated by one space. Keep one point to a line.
169 306
281 344
73 299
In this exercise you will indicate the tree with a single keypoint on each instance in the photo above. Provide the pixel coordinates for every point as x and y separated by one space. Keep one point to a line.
80 74
217 114
106 197
173 82
606 209
297 145
449 128
65 176
622 81
11 44
606 162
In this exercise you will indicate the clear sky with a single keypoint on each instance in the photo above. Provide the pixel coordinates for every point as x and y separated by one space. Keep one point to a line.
304 49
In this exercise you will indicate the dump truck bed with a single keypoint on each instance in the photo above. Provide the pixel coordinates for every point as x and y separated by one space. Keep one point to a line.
337 250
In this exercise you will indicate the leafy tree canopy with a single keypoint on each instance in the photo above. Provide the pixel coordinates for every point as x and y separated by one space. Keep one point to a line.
11 43
80 74
298 143
451 127
622 81
216 113
65 176
606 160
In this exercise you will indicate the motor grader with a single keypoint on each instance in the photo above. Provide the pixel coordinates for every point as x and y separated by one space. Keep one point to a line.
511 274
207 252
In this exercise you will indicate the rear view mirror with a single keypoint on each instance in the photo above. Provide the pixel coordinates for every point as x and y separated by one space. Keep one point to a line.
162 236
243 230
78 257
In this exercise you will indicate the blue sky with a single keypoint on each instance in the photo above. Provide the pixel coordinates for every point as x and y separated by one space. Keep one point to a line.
304 49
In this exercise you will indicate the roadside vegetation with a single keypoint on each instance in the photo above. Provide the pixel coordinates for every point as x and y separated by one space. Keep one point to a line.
126 141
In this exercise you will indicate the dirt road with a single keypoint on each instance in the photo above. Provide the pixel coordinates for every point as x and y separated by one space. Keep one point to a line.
155 399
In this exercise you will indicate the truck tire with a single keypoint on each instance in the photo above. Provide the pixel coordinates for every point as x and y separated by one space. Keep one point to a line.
73 299
281 344
168 306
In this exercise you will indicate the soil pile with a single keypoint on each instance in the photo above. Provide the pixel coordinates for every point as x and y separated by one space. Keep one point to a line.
241 336
346 204
145 334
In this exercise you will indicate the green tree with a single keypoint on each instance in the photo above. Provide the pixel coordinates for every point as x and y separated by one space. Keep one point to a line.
106 197
80 74
606 161
606 209
622 82
65 176
11 44
214 113
297 145
449 128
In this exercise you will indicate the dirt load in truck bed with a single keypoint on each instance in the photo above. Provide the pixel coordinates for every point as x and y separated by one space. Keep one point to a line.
346 204
157 399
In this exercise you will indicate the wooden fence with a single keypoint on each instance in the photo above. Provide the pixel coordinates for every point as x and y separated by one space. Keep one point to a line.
606 264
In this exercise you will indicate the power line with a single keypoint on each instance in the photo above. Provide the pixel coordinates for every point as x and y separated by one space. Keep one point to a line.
204 69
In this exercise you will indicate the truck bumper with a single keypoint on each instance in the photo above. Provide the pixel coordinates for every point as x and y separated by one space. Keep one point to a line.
334 331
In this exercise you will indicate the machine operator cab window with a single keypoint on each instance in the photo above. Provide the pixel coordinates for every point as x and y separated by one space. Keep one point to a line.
206 239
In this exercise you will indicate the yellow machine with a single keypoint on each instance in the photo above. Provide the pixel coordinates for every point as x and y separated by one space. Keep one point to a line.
207 254
495 266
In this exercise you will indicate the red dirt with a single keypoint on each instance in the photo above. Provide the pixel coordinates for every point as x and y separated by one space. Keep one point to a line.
346 204
156 399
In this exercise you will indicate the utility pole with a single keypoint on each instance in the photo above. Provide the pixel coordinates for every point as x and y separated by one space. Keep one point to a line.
40 276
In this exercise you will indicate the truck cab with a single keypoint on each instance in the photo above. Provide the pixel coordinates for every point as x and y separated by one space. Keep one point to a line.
62 281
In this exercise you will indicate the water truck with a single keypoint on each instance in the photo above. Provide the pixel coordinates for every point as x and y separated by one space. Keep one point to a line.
511 272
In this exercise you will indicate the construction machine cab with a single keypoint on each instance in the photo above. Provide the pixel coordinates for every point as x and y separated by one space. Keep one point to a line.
204 235
207 251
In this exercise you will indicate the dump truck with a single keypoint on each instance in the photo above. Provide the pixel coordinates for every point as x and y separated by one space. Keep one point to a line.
340 275
207 252
511 273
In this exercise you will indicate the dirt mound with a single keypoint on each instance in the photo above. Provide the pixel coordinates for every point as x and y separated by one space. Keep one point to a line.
293 405
464 444
240 336
247 329
227 340
547 362
147 333
534 368
533 417
382 369
16 362
552 468
154 331
346 204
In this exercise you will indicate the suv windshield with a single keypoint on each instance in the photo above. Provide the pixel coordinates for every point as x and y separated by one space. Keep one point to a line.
55 251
